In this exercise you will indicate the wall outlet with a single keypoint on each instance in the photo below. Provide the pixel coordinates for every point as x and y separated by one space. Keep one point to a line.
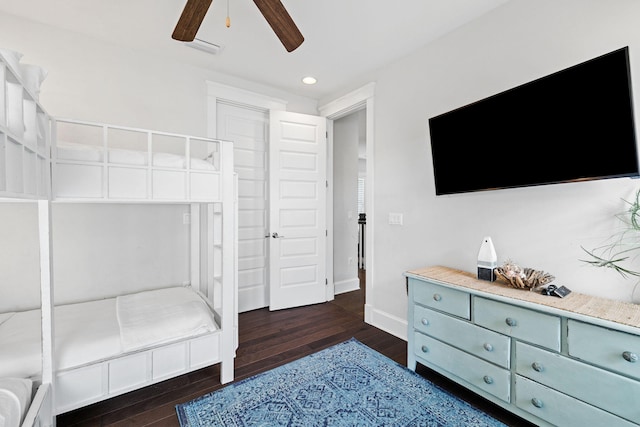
186 218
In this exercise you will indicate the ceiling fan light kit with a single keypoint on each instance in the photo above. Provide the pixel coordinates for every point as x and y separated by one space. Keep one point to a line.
273 11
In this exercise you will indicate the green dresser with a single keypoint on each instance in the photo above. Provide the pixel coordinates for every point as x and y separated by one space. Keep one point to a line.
555 362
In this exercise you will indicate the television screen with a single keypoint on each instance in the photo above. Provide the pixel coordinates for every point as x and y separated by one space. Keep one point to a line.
574 125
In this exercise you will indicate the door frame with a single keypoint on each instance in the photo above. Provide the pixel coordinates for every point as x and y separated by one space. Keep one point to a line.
218 91
356 100
359 99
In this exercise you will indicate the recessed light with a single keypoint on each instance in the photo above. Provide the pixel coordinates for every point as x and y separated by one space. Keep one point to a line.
309 80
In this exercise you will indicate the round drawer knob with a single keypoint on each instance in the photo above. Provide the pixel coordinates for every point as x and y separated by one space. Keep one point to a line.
488 347
630 357
424 349
536 402
537 366
487 379
511 322
437 297
424 321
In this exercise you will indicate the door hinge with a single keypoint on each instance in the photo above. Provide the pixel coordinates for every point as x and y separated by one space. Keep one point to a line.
326 233
326 282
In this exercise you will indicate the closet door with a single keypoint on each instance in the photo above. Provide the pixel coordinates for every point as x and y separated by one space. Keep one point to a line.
297 209
248 129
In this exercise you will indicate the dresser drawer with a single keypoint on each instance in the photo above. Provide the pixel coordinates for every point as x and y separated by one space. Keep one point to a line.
613 350
441 298
522 323
560 409
606 390
474 371
473 339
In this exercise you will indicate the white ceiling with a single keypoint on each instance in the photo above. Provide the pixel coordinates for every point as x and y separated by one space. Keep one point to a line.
344 39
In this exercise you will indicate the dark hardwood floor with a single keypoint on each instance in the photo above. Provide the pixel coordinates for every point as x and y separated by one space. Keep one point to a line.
266 340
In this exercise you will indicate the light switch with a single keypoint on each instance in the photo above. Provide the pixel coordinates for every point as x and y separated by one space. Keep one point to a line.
395 218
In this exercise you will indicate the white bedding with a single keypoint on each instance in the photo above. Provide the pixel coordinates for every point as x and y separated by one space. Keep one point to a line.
84 332
5 316
149 318
20 348
92 153
15 398
92 331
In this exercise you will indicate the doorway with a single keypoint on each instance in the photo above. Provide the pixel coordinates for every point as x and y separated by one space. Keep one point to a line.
253 293
362 101
349 175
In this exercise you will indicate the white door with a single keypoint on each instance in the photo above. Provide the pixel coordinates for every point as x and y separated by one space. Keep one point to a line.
297 209
248 129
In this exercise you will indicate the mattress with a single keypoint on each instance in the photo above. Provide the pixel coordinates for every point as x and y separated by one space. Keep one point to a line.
92 153
15 398
157 317
97 330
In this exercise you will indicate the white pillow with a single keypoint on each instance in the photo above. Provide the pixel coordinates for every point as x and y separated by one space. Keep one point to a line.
127 157
79 152
201 164
15 398
168 160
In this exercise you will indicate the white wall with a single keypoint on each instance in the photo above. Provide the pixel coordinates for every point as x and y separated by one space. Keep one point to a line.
539 227
19 257
346 136
104 250
100 250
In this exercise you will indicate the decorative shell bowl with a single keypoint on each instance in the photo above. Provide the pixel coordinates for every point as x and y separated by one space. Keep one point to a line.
523 278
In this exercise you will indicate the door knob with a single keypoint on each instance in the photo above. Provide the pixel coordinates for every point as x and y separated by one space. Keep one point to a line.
276 236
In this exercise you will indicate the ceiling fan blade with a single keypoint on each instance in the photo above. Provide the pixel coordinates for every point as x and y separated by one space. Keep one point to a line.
281 23
192 16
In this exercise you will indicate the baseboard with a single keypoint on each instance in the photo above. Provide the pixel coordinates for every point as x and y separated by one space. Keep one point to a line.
346 286
386 322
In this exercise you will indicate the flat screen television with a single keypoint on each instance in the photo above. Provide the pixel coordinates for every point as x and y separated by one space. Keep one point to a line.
573 125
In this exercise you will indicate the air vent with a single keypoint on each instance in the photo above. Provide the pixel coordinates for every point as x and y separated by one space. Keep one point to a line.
204 46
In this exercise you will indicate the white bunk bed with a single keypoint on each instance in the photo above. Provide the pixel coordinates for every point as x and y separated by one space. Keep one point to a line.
96 163
24 178
100 163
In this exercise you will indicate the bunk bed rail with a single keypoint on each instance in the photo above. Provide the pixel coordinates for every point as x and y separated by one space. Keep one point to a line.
25 176
104 162
24 138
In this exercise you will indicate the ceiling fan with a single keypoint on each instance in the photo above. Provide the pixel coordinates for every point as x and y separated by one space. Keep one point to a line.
273 11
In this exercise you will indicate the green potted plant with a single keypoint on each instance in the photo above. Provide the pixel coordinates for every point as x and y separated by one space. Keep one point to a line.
622 249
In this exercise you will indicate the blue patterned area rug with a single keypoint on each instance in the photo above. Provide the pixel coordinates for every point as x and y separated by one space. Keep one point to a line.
348 384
